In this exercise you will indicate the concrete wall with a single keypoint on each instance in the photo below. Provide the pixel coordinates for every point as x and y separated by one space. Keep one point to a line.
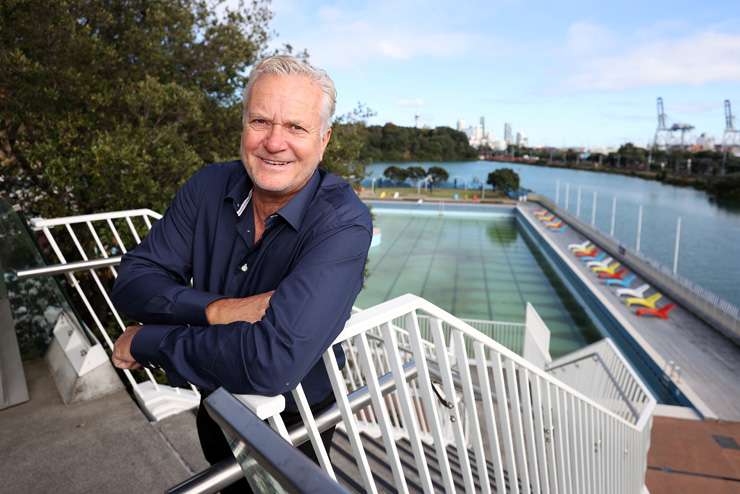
666 284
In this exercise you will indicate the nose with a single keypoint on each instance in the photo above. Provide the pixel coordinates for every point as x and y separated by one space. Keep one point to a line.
275 139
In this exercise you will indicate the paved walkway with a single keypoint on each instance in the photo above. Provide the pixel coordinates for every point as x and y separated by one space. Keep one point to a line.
709 362
694 456
100 446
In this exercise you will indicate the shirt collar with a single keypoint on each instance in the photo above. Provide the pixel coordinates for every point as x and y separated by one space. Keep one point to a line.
293 212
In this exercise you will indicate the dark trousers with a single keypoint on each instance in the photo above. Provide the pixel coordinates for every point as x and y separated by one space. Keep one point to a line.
216 448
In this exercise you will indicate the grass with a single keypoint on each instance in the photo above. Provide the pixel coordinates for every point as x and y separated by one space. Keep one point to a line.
408 193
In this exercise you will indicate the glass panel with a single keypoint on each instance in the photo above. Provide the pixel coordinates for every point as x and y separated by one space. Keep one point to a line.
259 479
35 303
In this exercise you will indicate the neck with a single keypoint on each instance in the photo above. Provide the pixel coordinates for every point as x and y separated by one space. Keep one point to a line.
266 203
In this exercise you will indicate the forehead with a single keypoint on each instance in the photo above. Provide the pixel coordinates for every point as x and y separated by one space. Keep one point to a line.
286 96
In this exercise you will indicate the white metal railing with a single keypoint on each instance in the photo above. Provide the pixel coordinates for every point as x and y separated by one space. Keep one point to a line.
707 295
509 334
600 371
85 239
523 423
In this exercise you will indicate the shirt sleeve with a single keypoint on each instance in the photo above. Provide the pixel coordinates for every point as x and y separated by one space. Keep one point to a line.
152 284
306 313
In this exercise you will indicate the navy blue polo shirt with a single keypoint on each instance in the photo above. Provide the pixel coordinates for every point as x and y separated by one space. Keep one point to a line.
312 253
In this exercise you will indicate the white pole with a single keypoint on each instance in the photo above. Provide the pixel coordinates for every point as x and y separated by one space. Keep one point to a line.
578 203
614 214
557 192
678 242
593 211
639 228
567 195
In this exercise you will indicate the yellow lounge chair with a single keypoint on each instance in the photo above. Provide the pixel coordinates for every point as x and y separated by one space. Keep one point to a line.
611 269
548 217
648 302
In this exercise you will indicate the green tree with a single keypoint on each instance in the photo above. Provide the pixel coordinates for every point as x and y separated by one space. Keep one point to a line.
416 172
395 173
438 174
343 155
112 104
504 179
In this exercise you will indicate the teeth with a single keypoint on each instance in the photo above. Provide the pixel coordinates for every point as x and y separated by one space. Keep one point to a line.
271 162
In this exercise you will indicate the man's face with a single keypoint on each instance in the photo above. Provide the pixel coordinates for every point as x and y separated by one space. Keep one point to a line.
281 141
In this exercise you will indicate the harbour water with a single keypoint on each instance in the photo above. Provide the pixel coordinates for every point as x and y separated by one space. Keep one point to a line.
710 232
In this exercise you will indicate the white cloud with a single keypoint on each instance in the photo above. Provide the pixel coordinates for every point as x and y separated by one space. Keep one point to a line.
347 37
692 60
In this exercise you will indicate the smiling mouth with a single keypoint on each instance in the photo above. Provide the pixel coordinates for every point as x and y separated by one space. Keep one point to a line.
275 162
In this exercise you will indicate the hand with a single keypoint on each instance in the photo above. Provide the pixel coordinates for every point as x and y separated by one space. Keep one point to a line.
122 357
228 310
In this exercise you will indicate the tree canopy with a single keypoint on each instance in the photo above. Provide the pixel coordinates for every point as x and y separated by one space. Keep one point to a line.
504 179
113 104
394 143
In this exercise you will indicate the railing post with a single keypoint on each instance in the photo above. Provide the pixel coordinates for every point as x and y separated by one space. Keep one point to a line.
614 215
593 211
557 192
639 228
578 203
567 195
678 242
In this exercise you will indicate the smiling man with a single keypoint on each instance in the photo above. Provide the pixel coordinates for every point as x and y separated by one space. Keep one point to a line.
275 249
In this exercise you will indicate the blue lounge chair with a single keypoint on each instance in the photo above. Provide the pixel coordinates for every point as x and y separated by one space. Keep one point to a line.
599 257
624 282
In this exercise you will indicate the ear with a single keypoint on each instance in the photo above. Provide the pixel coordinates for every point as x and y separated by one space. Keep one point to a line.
325 141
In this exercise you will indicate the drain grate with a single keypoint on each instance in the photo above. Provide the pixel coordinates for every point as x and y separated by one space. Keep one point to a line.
726 442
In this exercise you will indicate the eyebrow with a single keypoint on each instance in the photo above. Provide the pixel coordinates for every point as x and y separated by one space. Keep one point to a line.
299 123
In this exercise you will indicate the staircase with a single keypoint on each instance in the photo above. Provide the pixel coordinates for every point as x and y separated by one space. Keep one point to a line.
427 402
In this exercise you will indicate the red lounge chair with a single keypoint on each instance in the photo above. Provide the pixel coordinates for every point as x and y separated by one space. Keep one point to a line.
587 253
661 313
617 275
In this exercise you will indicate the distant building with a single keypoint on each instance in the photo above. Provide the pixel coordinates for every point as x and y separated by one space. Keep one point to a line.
461 125
507 133
521 139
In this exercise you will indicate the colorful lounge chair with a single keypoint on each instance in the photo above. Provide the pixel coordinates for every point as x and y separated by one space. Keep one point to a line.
623 282
603 263
541 212
617 275
598 257
662 313
587 253
611 269
638 292
648 302
586 244
549 217
554 224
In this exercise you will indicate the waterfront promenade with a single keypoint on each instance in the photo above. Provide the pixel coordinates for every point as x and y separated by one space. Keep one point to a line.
709 362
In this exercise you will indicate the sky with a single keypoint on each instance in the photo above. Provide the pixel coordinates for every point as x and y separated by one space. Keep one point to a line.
565 73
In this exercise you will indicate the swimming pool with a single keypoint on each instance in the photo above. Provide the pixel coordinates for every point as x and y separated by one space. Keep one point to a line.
474 262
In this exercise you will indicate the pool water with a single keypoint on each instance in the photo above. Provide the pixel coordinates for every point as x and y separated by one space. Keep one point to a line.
476 268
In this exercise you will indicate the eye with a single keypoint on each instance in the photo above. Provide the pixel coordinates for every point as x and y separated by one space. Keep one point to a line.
295 128
259 123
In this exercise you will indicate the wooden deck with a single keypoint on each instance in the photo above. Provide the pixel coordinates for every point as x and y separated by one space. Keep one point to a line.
709 363
694 456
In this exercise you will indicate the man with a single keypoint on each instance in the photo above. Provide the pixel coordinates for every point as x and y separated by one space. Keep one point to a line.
275 249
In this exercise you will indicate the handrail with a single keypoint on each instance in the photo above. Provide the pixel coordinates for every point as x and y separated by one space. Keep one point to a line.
227 472
70 267
41 223
610 375
289 467
395 308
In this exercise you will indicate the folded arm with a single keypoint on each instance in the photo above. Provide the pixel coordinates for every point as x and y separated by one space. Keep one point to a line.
152 284
271 356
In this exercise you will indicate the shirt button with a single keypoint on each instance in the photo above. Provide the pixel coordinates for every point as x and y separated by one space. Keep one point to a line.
244 268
